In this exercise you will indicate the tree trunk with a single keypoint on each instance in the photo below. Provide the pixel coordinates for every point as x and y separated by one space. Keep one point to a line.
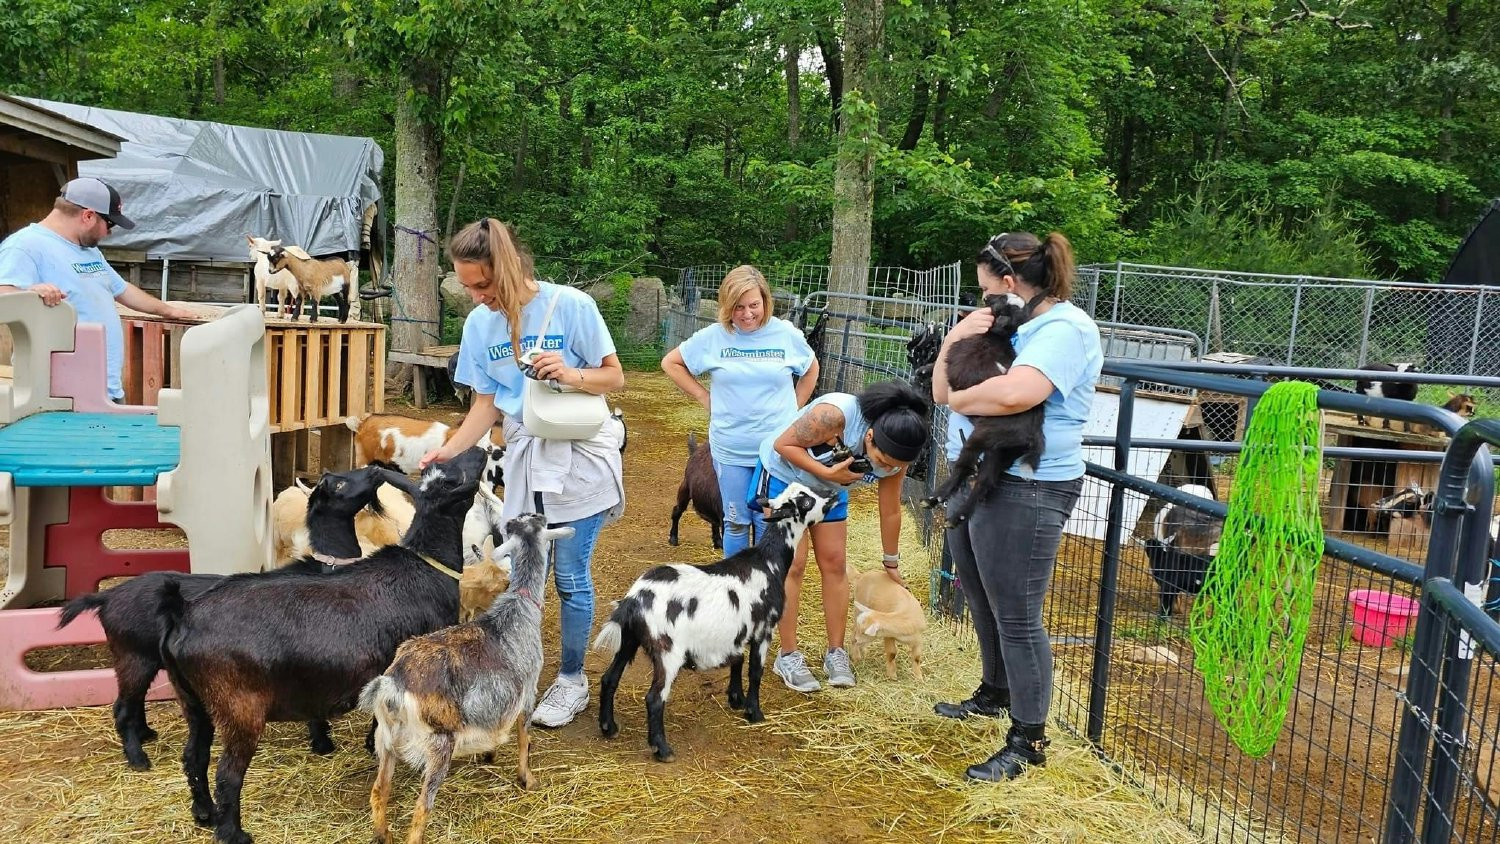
833 67
518 169
793 117
1449 100
219 78
921 94
586 141
417 314
854 177
1127 154
1226 108
940 116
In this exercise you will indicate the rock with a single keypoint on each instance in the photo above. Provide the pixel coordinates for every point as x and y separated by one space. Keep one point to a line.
1152 655
648 307
455 299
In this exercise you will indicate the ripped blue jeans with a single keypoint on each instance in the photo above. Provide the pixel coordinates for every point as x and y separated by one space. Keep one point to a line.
572 560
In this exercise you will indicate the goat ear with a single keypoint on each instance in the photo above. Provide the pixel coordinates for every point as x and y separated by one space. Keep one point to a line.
399 481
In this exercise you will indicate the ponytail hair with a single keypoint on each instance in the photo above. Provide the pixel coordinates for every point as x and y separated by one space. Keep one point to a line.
1046 265
494 245
898 416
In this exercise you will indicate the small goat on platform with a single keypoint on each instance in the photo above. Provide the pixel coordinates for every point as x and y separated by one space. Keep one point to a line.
131 616
460 691
999 440
282 281
1386 389
705 617
700 490
316 278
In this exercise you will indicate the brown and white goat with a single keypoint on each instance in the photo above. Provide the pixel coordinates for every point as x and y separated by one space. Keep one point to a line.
461 690
316 278
395 441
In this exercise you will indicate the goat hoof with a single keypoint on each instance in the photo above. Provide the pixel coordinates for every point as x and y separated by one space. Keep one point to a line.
754 716
138 762
672 541
148 734
322 746
736 701
527 782
664 754
487 758
203 817
609 730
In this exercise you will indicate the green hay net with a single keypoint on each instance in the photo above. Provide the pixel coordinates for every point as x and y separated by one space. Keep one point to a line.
1249 623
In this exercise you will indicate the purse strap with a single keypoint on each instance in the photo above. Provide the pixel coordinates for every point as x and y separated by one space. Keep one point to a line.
541 334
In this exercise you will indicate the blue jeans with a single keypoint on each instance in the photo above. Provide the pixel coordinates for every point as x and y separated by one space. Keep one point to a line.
571 561
734 492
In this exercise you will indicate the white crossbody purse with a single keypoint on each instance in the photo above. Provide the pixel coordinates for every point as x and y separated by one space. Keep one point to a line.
555 411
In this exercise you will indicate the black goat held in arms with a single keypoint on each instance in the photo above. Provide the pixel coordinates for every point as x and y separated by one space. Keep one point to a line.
998 441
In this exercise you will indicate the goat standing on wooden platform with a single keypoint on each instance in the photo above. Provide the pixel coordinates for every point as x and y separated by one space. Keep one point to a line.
316 278
460 691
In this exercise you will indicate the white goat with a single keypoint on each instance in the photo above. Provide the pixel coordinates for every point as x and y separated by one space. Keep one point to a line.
706 617
281 281
460 691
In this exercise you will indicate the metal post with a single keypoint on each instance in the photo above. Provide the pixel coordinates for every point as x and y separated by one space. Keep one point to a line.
1094 296
1212 335
1109 572
1291 343
1474 341
165 263
1364 334
1470 572
1114 314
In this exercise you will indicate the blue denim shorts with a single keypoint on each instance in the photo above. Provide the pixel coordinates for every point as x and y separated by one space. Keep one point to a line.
766 486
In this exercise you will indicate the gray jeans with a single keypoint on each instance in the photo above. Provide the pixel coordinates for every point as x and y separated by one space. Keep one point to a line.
1017 533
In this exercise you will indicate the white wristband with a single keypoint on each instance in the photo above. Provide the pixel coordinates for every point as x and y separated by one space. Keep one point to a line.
891 559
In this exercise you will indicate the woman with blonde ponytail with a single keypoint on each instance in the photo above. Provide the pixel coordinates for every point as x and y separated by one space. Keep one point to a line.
577 483
1004 555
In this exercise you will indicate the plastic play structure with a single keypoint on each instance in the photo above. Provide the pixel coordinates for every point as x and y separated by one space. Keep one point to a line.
205 449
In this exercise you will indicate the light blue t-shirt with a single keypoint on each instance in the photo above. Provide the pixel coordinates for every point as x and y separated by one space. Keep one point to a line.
38 255
486 361
1063 344
855 427
751 388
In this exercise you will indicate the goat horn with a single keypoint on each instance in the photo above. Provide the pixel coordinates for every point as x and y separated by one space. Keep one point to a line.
489 495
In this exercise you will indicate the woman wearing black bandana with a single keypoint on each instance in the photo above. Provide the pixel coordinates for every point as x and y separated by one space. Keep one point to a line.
883 429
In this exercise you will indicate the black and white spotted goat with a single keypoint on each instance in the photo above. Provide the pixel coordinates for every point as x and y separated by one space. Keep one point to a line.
461 690
1182 549
705 617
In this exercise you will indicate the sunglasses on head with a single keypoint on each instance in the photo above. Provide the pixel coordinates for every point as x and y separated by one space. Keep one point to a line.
989 249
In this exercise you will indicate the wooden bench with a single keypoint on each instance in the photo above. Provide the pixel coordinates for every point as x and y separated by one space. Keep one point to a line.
432 357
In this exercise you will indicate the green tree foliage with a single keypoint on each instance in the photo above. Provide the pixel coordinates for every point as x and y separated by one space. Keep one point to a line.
1330 137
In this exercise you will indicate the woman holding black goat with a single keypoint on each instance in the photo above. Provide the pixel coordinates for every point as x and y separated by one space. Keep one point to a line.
1005 554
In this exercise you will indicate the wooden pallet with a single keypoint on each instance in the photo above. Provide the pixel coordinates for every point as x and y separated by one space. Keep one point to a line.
431 357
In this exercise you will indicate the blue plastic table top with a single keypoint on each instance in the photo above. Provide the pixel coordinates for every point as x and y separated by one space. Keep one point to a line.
87 449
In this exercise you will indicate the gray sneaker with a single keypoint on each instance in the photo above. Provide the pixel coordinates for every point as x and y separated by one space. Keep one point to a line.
839 668
792 669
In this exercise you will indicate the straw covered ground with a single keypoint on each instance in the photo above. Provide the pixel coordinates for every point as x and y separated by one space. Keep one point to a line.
864 764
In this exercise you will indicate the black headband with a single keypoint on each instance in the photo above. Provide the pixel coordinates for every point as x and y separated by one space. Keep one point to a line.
905 452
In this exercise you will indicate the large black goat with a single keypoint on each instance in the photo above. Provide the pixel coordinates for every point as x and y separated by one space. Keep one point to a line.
1000 441
130 613
292 647
706 617
700 490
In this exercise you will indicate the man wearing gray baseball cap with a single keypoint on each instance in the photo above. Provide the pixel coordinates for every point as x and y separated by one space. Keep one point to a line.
59 258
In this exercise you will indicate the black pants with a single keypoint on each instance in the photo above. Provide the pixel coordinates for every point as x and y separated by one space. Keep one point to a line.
1004 555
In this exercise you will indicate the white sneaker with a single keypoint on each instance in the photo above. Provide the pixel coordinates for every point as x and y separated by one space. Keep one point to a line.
792 669
837 666
561 703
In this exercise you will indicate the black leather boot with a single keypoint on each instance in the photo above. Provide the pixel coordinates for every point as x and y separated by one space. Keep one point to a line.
987 701
1024 748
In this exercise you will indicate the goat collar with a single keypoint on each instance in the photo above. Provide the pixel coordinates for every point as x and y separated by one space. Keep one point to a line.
334 562
440 567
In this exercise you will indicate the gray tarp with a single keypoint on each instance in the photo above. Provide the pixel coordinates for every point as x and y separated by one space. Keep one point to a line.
195 189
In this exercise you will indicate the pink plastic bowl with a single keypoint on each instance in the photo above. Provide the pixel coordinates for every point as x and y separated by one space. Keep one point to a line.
1381 618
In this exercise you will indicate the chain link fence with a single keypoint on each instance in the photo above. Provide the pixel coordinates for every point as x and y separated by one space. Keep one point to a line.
1337 323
